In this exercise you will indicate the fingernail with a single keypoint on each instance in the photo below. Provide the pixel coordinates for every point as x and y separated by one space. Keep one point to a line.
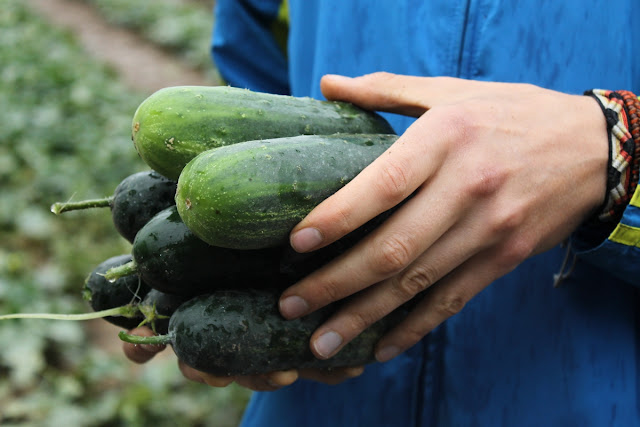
306 239
387 353
293 307
327 343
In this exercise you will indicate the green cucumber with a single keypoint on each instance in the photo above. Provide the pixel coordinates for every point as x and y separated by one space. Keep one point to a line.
135 201
175 124
241 332
251 194
170 258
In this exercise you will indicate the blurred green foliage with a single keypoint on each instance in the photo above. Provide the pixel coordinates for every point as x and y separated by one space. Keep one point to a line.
182 27
66 134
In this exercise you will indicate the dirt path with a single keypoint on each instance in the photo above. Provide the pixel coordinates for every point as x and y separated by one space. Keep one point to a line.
140 64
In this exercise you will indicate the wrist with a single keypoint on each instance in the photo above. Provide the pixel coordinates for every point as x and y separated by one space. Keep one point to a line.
622 169
619 110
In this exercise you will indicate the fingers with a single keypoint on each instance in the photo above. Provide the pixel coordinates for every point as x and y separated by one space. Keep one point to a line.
332 376
375 302
202 377
447 298
141 353
386 182
393 93
268 382
376 92
387 251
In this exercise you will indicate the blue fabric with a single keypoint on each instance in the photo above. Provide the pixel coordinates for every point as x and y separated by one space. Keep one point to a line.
252 58
521 353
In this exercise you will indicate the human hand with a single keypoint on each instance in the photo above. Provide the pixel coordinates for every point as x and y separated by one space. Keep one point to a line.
267 382
499 172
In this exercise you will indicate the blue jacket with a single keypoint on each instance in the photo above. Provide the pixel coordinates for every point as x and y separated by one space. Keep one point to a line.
522 353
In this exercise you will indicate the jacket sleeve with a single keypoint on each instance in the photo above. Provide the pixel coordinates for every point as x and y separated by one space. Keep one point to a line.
248 44
619 254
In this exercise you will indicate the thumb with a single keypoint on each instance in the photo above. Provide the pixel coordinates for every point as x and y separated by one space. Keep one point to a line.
380 91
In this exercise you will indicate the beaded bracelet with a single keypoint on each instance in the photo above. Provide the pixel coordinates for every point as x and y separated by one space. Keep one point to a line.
622 112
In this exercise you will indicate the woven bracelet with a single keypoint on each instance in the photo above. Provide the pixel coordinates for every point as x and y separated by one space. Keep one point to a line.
632 102
621 110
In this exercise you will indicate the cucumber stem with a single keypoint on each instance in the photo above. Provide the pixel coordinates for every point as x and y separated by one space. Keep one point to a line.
60 207
124 311
153 340
115 273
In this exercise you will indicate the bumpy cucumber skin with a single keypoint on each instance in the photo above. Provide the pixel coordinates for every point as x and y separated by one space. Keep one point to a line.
102 294
175 124
138 198
251 194
242 333
170 258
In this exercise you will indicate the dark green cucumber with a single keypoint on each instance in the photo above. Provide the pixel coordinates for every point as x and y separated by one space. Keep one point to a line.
134 202
175 124
170 258
251 194
157 308
241 332
125 302
138 198
102 294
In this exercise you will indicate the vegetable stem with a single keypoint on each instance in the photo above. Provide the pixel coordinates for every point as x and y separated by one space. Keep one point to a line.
124 311
60 207
115 273
153 340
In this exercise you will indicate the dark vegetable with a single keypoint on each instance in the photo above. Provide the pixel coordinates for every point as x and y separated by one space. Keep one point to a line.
157 308
103 294
170 258
134 202
241 332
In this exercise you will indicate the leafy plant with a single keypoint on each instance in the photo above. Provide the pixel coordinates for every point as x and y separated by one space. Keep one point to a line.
66 134
183 28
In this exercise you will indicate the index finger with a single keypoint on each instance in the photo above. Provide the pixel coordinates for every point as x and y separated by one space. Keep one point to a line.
386 182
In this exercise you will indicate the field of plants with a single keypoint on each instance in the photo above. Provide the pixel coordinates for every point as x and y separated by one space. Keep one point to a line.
66 135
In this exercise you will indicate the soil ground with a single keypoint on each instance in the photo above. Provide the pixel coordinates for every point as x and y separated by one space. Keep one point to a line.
141 65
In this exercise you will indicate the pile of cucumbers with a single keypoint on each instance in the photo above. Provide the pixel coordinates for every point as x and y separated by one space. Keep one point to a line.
231 172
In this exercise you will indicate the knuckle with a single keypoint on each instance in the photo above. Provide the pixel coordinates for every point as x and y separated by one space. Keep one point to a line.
380 75
515 251
413 333
450 304
394 254
394 183
485 181
330 291
340 219
416 280
358 322
507 220
457 121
